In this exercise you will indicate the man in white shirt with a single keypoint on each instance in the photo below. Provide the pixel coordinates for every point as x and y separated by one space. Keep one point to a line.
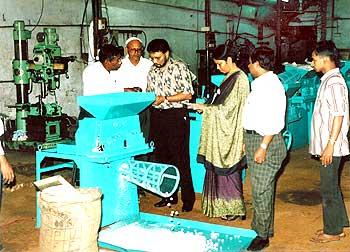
132 75
329 140
97 76
263 121
6 172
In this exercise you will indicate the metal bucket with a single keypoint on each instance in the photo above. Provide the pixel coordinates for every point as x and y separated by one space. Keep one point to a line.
69 221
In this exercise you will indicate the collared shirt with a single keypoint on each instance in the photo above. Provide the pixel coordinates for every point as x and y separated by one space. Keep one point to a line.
173 79
129 75
332 100
97 80
2 131
265 107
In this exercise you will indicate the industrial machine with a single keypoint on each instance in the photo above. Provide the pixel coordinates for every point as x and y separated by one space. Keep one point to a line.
38 124
301 84
103 152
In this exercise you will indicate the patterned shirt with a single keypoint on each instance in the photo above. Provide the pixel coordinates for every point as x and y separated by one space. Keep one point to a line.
173 79
332 100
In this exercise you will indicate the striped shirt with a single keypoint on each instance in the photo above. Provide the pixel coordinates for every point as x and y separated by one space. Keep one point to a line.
331 101
173 79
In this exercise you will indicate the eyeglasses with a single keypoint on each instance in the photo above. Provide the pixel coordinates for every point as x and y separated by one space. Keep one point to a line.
136 50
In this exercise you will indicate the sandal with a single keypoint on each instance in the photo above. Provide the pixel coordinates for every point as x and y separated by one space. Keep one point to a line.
320 232
232 217
324 238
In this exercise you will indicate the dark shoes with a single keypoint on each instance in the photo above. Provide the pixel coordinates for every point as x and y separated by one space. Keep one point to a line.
187 208
258 243
165 201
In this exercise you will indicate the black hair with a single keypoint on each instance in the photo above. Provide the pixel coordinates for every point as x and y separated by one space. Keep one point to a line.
158 45
108 52
223 51
327 48
265 56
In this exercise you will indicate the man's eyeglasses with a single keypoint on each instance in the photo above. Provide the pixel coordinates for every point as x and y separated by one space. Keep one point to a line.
136 50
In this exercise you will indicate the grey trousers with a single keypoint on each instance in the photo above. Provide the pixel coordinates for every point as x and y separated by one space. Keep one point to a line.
334 211
263 178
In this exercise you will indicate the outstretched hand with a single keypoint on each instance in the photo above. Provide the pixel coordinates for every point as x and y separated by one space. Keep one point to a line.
199 107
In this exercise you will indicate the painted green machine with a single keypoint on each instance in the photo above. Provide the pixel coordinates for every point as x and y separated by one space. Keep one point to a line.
104 149
40 123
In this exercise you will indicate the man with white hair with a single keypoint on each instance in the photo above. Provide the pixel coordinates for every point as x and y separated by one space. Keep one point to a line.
132 75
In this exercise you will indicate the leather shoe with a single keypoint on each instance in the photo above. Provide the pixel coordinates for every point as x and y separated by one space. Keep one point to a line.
164 202
187 208
258 243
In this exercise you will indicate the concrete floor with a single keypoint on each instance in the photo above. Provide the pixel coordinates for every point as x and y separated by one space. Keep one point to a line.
298 209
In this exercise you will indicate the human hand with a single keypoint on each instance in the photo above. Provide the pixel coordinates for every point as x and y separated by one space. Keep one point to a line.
133 89
327 155
159 99
199 107
7 171
260 155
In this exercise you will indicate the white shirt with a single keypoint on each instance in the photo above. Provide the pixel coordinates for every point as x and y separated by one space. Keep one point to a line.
129 75
2 131
97 80
265 107
332 100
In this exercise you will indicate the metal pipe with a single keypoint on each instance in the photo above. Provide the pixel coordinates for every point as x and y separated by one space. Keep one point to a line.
96 15
323 19
278 33
332 18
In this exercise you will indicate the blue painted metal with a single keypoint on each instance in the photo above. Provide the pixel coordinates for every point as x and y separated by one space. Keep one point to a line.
301 84
103 153
104 150
228 238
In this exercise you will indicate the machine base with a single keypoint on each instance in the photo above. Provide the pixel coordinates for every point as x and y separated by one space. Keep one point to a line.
153 232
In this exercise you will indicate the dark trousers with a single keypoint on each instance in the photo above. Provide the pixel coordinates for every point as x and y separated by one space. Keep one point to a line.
170 133
334 211
263 179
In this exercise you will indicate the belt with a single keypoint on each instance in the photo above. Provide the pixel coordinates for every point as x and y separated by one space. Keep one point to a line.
251 132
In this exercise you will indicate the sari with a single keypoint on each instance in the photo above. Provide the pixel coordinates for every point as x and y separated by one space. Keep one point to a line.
221 148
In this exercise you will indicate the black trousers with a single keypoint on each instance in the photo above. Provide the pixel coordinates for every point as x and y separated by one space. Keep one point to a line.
170 131
334 211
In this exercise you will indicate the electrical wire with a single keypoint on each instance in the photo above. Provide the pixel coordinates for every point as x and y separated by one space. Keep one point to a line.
41 14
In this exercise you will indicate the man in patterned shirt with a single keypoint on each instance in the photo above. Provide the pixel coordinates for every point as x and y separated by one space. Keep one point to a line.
171 81
329 128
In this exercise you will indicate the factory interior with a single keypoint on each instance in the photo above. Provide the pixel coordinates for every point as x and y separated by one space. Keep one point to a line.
45 47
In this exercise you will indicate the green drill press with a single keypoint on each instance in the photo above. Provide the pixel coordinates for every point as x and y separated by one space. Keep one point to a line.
39 124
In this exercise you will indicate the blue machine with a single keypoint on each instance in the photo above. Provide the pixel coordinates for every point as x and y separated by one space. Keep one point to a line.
301 84
103 152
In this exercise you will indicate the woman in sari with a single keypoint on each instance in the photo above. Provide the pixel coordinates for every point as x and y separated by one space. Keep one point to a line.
221 143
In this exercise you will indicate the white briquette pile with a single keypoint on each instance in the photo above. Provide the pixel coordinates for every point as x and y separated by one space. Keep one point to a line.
136 237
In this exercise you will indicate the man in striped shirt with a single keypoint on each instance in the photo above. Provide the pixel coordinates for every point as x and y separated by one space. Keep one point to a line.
329 128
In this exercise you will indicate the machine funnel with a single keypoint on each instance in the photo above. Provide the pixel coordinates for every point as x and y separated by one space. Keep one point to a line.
116 105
